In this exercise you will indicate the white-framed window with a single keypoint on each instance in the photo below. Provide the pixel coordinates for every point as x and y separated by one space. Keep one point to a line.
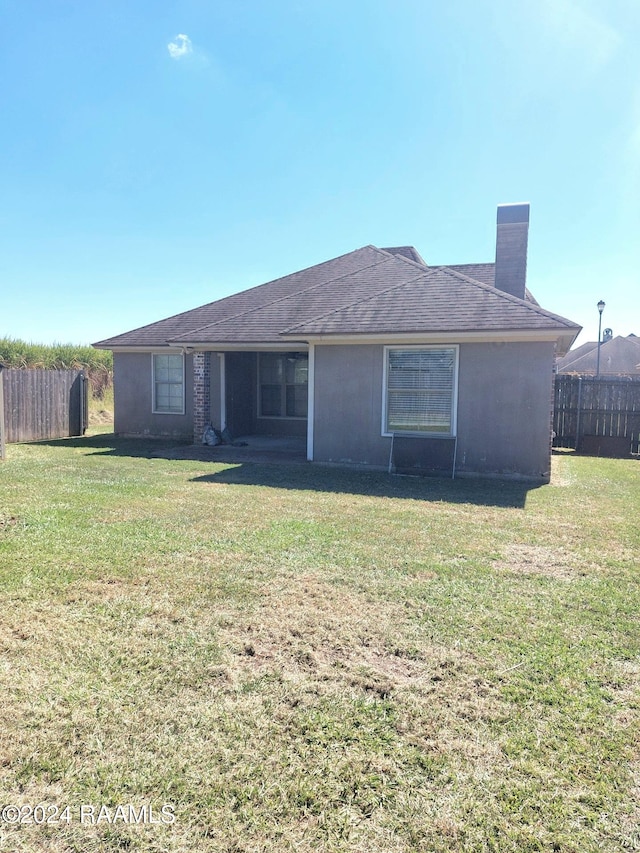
420 390
168 383
283 381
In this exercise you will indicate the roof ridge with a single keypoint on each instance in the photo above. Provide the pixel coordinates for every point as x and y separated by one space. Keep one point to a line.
283 298
231 296
406 260
471 264
508 296
298 272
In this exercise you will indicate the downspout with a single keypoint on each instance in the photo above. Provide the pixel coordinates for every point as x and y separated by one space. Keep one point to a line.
223 390
311 385
455 456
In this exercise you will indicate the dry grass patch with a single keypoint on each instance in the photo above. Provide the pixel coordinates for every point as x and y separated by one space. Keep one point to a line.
552 562
307 629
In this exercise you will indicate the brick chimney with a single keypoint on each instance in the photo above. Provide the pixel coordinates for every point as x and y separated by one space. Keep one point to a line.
511 248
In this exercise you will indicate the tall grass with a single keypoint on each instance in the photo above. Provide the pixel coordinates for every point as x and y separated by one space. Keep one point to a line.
18 353
98 364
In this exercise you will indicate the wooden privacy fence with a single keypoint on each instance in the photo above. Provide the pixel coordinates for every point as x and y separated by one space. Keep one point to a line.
42 404
595 415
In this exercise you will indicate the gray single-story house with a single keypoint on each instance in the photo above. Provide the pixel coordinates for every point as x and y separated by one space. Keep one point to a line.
374 358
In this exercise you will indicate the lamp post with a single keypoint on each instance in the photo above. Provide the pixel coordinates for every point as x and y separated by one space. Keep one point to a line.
600 310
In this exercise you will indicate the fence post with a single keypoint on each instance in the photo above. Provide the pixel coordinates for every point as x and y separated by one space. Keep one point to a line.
83 403
578 413
2 442
86 387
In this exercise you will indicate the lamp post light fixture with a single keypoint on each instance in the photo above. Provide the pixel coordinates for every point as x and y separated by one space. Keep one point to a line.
600 310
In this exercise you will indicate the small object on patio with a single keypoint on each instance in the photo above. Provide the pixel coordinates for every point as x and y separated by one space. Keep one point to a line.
225 437
210 436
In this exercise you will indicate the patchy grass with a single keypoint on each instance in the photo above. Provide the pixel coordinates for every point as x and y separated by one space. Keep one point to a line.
297 658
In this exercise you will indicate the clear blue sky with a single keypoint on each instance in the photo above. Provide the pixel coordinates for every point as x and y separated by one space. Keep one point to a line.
157 155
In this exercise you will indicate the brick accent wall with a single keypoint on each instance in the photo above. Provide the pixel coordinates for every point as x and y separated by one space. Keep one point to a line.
201 393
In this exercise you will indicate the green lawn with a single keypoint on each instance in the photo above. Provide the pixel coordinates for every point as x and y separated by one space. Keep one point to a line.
299 658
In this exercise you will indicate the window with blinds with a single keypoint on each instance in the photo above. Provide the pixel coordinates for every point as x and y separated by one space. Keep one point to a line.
168 384
421 390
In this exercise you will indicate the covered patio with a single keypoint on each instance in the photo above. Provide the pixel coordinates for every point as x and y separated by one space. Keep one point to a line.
260 397
279 450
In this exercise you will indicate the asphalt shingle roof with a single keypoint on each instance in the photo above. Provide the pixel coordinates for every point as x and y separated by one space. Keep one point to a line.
157 334
438 300
368 291
486 273
267 322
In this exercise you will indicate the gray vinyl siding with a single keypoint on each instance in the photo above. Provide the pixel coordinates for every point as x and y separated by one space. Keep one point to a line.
348 405
133 403
504 408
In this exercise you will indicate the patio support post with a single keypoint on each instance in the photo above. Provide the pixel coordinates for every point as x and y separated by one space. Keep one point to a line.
223 389
201 393
311 401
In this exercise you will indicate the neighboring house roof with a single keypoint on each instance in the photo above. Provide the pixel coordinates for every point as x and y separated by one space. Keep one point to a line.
619 356
577 353
369 291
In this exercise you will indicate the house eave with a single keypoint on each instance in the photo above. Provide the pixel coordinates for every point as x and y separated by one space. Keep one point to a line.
212 346
144 348
563 339
240 346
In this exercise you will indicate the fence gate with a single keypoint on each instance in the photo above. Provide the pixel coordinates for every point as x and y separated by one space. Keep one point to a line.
42 404
595 415
2 439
